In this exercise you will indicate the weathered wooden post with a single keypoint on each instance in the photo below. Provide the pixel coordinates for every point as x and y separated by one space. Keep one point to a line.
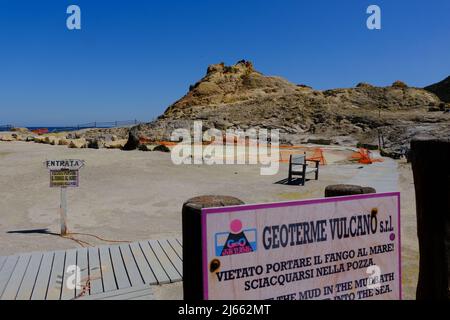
63 211
431 168
192 241
339 190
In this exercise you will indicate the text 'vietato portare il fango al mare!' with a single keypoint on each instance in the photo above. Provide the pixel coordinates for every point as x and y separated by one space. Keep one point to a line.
345 248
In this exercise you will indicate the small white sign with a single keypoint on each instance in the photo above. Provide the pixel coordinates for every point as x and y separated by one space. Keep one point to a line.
68 164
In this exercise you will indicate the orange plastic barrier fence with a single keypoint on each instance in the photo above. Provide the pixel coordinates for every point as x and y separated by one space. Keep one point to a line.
40 131
318 156
285 150
363 157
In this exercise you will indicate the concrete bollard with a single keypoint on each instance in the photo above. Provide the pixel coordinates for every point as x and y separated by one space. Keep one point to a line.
431 168
192 241
339 190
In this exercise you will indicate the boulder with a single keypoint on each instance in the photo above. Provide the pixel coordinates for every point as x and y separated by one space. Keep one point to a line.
39 139
51 140
78 143
161 148
64 142
133 140
340 190
146 147
118 144
95 143
19 137
6 137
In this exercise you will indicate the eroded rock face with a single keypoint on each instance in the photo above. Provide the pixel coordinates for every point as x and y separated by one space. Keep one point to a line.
224 85
397 138
240 97
441 89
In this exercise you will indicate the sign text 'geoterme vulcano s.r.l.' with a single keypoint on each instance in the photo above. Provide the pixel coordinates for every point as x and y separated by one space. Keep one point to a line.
333 248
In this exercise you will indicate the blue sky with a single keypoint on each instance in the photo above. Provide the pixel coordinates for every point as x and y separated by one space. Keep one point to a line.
132 59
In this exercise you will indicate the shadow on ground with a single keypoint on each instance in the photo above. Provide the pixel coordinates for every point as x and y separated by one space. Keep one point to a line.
34 231
294 182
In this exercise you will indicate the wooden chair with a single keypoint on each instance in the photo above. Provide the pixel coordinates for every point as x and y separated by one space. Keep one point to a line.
298 167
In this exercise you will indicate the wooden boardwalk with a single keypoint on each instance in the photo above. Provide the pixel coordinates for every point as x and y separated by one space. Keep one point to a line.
121 271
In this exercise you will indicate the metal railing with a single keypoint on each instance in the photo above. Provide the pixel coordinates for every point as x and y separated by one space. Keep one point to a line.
108 124
95 124
6 127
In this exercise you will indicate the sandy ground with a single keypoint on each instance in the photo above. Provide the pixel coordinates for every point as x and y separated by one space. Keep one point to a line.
139 195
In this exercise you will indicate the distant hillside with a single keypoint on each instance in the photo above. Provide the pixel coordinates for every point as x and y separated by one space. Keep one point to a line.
441 89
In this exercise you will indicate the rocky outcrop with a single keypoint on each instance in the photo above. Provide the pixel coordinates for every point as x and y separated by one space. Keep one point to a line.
6 137
16 135
441 89
239 97
397 138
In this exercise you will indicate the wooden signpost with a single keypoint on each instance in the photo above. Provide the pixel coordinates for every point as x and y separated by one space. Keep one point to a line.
64 174
334 248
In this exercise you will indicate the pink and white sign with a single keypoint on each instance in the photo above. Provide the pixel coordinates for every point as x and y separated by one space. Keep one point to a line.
345 248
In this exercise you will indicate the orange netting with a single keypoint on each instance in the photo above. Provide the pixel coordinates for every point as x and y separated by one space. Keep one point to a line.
363 156
40 131
318 156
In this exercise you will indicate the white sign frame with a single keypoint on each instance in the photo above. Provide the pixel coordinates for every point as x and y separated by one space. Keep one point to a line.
65 164
215 218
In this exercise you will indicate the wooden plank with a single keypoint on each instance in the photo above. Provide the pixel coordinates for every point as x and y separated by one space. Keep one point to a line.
29 280
119 268
134 291
56 276
95 272
16 278
43 277
109 282
69 278
6 272
158 270
82 262
177 247
132 269
172 255
144 267
147 294
2 261
164 260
